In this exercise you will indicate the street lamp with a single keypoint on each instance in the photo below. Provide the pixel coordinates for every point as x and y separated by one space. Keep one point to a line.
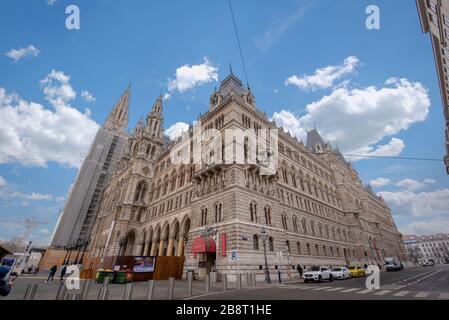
264 240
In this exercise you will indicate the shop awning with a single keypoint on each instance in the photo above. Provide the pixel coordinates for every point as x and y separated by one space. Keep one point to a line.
203 245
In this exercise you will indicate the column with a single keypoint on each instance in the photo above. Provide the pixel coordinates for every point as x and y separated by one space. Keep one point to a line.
170 247
161 248
153 251
180 249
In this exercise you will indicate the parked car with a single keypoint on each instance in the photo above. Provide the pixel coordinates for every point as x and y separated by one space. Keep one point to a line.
357 272
428 263
318 274
393 264
341 273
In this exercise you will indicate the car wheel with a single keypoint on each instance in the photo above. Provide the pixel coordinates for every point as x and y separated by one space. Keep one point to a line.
306 281
319 279
331 278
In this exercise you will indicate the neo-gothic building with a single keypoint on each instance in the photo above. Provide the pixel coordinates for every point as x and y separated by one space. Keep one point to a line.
315 208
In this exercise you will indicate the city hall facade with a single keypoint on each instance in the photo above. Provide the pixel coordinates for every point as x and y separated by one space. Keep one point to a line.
312 210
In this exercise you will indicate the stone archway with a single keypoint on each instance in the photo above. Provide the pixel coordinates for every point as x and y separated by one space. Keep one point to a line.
130 243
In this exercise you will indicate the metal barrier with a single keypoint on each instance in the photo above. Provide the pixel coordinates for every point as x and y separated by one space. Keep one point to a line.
189 283
225 282
239 281
207 279
150 290
171 287
128 294
104 290
86 288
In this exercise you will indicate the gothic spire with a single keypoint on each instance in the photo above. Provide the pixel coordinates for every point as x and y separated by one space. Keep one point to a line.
118 118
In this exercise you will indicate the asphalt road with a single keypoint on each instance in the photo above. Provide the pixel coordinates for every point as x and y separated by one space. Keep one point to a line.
430 283
416 283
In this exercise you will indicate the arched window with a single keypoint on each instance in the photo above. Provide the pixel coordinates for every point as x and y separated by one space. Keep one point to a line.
284 221
298 247
256 242
218 215
270 244
268 215
253 211
317 249
148 151
204 217
295 223
287 243
140 192
309 252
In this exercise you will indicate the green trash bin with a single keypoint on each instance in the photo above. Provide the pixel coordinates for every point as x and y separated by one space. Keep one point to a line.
120 277
109 274
99 278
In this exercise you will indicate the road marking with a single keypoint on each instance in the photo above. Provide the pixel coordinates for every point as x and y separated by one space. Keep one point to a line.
444 296
382 293
393 287
336 289
350 290
321 288
365 291
422 294
401 293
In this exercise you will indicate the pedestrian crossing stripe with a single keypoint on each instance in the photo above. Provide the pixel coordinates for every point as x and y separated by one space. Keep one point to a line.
321 288
422 294
383 292
365 291
336 289
401 293
444 296
350 290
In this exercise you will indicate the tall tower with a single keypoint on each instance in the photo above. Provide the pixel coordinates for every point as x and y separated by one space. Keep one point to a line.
81 209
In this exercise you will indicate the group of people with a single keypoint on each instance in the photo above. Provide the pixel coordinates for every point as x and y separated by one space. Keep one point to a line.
53 271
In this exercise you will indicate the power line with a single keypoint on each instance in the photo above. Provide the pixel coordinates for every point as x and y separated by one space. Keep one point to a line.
238 41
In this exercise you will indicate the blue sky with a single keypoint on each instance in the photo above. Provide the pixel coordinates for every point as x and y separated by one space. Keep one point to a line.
58 85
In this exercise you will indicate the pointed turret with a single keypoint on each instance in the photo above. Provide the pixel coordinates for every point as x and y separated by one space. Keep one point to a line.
155 120
118 118
315 141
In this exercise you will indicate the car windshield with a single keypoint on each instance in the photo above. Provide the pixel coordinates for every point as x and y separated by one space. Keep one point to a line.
314 269
336 269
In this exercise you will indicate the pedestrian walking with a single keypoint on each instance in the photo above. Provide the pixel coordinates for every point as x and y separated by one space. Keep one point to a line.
299 271
366 266
63 272
52 274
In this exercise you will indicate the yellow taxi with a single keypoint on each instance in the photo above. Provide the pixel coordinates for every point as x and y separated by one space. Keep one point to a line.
357 272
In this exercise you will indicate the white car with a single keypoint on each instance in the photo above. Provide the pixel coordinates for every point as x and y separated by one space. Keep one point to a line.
341 273
318 274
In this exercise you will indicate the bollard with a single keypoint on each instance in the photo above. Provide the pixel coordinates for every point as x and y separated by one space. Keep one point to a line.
207 283
150 290
248 280
171 287
128 294
189 283
239 281
86 288
103 294
254 280
60 288
225 282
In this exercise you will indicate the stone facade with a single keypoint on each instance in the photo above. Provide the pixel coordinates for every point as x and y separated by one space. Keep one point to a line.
314 209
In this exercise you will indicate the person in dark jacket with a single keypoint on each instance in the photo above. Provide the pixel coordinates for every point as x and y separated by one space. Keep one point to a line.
63 272
5 286
299 271
52 273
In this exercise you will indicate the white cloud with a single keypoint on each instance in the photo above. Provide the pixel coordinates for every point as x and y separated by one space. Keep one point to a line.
427 227
362 118
2 182
176 130
51 2
380 182
430 181
34 135
411 184
17 54
410 203
188 77
35 196
86 95
325 77
45 231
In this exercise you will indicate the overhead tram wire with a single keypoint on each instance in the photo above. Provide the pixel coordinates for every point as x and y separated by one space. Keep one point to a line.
238 41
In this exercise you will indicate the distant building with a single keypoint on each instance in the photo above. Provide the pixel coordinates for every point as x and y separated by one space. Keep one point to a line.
434 15
76 221
4 252
422 249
